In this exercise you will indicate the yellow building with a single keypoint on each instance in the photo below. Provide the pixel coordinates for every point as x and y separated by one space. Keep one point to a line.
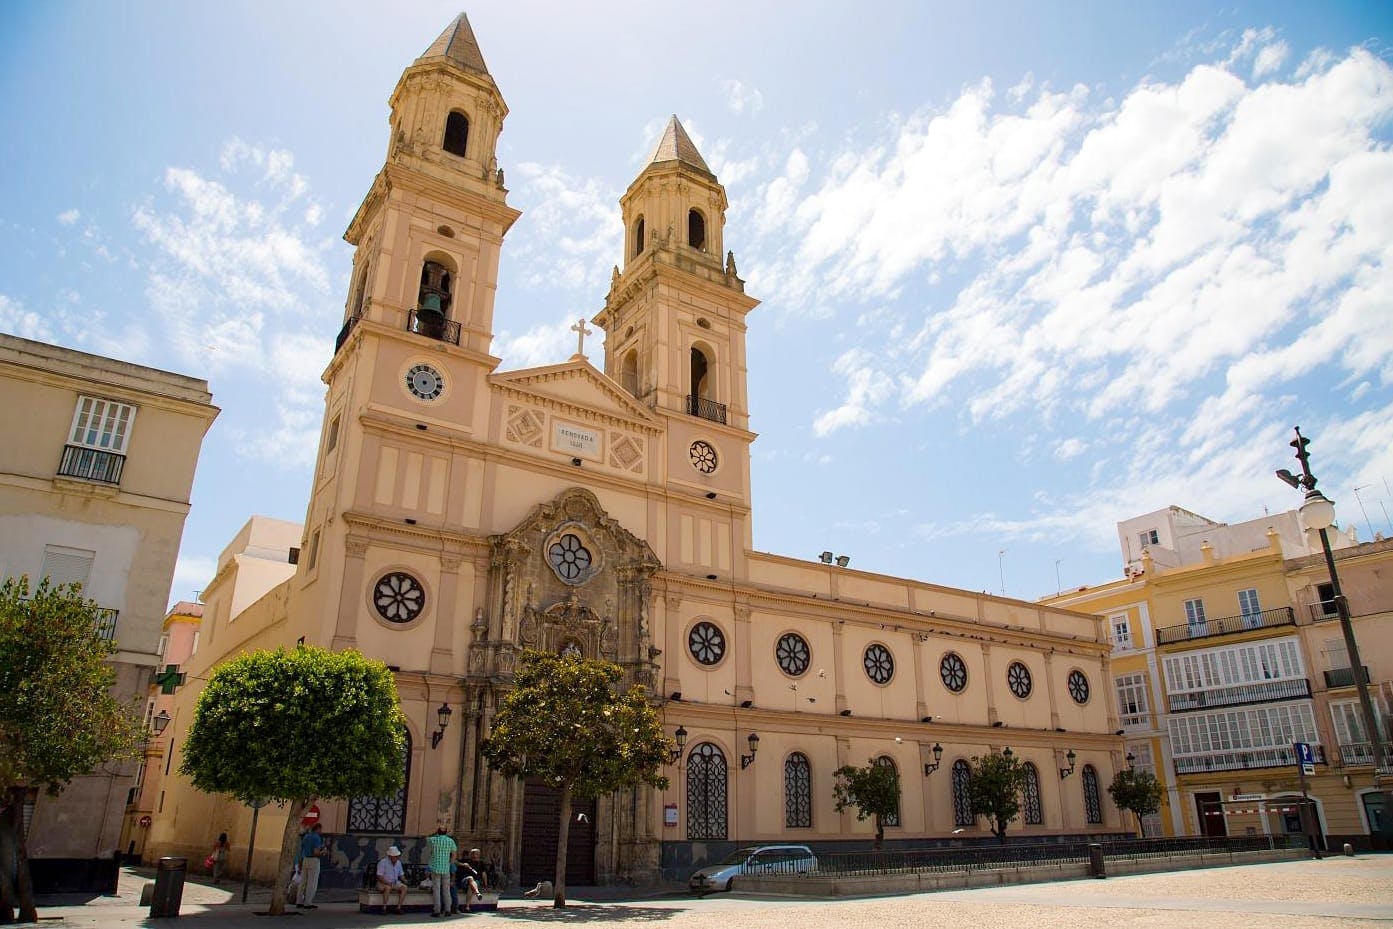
460 512
95 476
1216 654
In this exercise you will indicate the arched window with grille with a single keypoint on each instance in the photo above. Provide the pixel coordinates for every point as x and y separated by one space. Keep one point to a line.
962 800
1093 810
1030 797
706 792
383 814
892 818
798 792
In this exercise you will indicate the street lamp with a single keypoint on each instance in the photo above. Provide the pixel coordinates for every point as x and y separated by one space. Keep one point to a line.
680 736
938 757
1318 513
442 718
1073 761
747 760
160 721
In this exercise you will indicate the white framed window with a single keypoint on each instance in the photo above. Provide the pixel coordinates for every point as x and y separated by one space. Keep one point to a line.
164 644
1248 602
1250 663
194 649
102 424
1121 632
1336 654
1194 612
1133 709
1252 736
1149 537
1349 723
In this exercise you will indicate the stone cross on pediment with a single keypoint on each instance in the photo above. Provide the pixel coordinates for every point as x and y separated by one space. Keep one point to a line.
581 332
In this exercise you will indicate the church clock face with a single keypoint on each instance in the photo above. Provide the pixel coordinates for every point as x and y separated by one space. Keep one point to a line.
703 456
424 382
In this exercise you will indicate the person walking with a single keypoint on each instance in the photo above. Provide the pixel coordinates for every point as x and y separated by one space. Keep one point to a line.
312 852
219 856
443 852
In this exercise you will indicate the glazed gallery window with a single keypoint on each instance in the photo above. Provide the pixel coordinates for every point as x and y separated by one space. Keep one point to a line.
1132 707
1274 659
383 814
798 792
706 792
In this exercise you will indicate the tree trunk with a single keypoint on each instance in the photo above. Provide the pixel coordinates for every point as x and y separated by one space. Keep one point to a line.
8 837
559 885
24 885
879 832
290 842
1000 832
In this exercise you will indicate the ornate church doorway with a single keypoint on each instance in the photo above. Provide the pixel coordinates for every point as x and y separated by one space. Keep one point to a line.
541 827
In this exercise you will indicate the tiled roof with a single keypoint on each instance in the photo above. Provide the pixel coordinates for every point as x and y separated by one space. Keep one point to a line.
458 45
676 145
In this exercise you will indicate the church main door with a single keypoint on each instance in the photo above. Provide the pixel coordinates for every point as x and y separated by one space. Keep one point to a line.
541 826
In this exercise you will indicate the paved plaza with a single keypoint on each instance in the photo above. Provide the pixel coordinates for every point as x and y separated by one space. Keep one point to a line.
1333 892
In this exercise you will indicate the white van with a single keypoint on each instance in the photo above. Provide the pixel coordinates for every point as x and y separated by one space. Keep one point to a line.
754 859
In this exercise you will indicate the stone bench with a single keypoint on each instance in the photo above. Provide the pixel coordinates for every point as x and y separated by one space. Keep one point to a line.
419 901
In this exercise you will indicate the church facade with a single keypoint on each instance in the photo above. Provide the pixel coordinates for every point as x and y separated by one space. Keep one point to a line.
461 512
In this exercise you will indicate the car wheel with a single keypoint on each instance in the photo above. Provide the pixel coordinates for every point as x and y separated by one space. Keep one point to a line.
730 885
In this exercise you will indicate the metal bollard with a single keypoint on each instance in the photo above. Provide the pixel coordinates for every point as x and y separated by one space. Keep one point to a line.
169 886
1349 850
1095 860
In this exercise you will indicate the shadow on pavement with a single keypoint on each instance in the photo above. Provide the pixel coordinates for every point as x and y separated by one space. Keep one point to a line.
587 912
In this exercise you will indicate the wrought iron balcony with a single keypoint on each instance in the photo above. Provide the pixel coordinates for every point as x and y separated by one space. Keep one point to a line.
433 326
91 464
706 409
1133 722
1229 625
345 332
1243 759
1357 753
1344 677
1297 688
105 622
1323 610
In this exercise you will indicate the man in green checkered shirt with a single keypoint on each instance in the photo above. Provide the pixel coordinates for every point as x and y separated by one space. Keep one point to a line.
442 851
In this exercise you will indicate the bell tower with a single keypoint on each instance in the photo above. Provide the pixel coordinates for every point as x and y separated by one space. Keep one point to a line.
428 234
674 322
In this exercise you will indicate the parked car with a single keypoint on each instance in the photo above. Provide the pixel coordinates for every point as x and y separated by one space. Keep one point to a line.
754 859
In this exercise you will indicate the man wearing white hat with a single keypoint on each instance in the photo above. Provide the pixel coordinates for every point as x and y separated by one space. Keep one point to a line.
391 878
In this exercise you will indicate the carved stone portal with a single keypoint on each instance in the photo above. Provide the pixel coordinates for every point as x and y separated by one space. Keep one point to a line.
568 580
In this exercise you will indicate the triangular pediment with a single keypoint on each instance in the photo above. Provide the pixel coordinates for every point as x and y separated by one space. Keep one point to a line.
576 384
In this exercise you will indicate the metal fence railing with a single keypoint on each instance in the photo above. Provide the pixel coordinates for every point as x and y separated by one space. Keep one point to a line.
867 863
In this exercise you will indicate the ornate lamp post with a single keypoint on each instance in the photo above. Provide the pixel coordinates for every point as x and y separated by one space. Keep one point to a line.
1318 513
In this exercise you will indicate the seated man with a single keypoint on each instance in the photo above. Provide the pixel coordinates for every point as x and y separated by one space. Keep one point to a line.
472 874
391 878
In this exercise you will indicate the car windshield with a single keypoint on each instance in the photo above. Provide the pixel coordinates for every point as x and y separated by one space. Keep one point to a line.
738 856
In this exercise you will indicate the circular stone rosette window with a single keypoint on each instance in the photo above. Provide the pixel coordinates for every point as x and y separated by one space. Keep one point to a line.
398 597
572 555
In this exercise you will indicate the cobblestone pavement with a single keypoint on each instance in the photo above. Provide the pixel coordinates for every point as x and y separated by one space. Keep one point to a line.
1334 892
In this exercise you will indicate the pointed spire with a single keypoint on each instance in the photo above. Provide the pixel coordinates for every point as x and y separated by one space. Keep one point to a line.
676 145
458 46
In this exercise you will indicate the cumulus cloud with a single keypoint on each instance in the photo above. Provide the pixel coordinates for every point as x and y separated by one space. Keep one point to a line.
69 217
1168 262
15 319
741 99
573 233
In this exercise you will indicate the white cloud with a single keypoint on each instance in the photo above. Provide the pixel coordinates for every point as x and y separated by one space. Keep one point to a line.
69 217
572 235
1166 265
16 320
741 99
192 573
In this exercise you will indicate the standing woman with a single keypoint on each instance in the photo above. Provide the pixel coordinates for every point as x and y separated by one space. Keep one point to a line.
219 856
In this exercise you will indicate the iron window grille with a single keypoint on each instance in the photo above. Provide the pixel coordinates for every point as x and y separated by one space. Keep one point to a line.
798 792
383 814
706 792
1093 809
962 798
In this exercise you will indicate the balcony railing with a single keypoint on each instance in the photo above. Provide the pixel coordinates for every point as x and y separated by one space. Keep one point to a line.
1290 689
1135 721
1323 610
105 621
1357 753
345 332
1344 677
434 327
1278 616
1242 759
91 464
706 409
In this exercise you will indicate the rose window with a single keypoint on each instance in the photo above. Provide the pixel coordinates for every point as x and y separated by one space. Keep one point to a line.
953 671
1078 687
792 653
399 597
1018 679
879 664
707 643
569 558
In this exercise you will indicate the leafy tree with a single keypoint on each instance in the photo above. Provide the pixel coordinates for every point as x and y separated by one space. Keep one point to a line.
296 726
565 722
1138 791
873 790
58 718
994 789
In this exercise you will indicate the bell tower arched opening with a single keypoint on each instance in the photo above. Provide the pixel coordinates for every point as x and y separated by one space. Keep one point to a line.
696 230
628 375
456 133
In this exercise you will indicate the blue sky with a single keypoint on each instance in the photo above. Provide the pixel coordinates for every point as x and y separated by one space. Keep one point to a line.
1027 269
